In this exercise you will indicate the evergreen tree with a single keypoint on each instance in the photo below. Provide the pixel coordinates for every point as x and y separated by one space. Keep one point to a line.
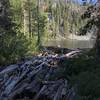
93 15
5 21
13 44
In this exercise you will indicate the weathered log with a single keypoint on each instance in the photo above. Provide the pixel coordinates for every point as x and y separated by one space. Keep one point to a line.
40 92
34 76
71 94
58 94
17 91
9 69
48 82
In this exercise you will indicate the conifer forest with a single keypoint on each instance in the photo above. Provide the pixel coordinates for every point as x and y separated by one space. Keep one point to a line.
49 49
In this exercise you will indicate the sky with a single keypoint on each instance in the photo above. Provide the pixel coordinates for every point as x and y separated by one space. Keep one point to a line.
88 1
93 2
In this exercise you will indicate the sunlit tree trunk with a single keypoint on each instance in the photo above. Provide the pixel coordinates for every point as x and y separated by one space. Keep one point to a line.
26 17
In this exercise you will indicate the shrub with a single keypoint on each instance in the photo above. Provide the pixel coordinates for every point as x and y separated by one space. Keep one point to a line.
87 84
84 73
13 48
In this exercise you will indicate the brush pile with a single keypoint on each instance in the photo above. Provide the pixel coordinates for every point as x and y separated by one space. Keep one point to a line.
33 79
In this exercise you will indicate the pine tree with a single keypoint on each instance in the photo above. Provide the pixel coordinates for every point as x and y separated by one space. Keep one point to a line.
5 20
93 14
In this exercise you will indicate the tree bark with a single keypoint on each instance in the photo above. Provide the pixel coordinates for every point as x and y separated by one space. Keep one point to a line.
98 28
26 17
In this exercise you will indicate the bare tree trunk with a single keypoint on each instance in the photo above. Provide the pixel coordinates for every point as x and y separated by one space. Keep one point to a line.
26 17
97 46
98 28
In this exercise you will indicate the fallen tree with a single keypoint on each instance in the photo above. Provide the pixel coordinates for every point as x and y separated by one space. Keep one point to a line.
32 80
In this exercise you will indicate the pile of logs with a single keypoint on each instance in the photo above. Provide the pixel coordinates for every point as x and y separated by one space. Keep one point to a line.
32 80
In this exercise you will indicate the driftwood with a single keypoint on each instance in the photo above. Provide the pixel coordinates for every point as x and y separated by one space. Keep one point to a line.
31 80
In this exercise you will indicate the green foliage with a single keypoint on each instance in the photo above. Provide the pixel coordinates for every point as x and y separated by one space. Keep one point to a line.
13 44
13 48
17 11
83 64
87 84
70 13
83 72
38 24
33 47
91 20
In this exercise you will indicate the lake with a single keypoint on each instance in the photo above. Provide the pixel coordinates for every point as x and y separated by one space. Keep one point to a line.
70 43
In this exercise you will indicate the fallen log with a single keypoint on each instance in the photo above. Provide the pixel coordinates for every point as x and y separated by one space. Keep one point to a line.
34 76
9 69
58 94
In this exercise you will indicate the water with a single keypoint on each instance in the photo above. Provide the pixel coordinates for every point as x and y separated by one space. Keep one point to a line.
70 43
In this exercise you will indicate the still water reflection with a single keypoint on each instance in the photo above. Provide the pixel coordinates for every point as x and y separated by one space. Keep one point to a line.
70 43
